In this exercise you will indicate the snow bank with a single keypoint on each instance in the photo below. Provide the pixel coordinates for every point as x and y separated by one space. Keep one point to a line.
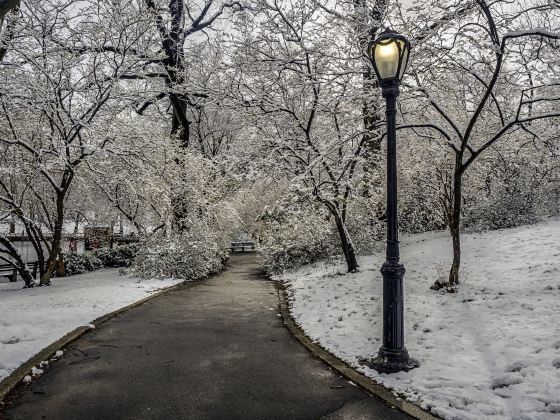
31 319
490 351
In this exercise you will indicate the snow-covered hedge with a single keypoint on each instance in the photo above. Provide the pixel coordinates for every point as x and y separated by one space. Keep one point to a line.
502 211
291 239
202 222
80 263
120 256
179 255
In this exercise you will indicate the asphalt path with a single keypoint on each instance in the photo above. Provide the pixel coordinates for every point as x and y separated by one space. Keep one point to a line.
216 349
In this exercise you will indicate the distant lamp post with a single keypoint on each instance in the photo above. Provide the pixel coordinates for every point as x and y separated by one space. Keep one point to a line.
389 55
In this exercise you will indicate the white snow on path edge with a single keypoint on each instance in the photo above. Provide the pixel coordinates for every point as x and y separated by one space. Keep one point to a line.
490 351
32 319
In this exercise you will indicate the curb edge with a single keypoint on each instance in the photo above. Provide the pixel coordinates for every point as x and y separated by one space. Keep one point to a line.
10 382
343 368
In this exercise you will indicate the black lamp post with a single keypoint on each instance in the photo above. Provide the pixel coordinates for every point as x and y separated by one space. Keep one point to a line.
389 55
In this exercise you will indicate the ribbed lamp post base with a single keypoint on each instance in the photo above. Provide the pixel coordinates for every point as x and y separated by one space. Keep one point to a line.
392 356
391 361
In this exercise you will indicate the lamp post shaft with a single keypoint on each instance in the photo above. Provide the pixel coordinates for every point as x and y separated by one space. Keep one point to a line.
390 94
392 270
393 356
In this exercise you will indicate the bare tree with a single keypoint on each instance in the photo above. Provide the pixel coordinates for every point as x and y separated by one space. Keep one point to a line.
302 88
467 70
53 119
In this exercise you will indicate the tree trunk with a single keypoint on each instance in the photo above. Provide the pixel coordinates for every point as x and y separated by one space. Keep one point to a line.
455 229
452 210
368 18
55 250
25 274
52 260
180 125
452 202
372 143
21 266
454 272
60 269
347 245
47 273
7 33
37 242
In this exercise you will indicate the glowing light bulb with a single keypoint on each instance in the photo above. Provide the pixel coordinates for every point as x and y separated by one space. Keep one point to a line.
387 58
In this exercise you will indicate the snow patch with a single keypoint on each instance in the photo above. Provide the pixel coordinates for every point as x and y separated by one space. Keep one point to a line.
70 303
36 371
489 351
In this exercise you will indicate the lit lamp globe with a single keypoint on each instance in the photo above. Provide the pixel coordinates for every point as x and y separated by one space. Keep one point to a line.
389 56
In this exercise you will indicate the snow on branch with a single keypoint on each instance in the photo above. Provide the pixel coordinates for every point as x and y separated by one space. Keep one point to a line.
199 23
528 33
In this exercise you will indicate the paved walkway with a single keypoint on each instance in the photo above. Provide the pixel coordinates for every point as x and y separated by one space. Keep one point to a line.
213 350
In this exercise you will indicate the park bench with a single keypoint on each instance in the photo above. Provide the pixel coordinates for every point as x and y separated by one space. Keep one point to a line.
242 246
9 271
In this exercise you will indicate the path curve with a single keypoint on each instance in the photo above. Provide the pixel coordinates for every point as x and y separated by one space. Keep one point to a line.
213 350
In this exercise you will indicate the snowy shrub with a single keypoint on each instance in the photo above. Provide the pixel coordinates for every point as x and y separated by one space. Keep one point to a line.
196 240
80 263
183 255
291 239
497 212
420 212
511 194
420 186
120 256
365 222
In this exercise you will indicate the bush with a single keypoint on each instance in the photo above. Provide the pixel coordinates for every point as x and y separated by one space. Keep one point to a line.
499 212
289 240
509 196
120 256
80 263
185 255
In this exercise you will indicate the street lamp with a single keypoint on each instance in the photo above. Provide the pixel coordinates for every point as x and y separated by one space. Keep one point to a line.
389 56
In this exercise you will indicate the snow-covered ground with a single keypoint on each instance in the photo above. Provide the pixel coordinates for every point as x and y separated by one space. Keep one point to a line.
31 319
490 351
